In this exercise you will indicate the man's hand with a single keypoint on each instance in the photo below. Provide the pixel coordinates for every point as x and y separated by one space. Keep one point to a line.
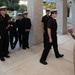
50 40
0 37
28 30
8 26
11 25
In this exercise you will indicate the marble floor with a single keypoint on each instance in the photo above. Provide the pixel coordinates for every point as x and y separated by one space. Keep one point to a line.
26 62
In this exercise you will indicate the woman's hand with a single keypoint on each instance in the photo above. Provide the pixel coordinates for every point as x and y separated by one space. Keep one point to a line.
70 30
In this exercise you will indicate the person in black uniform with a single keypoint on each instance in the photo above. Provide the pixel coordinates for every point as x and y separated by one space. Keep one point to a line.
13 34
26 23
44 27
4 40
52 34
19 25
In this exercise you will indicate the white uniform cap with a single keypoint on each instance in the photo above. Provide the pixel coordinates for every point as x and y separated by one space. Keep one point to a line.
25 12
52 10
19 13
3 7
48 9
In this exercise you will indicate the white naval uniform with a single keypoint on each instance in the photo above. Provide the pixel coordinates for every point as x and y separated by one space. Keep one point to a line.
74 52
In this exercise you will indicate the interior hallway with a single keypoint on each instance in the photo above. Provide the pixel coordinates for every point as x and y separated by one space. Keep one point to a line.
26 62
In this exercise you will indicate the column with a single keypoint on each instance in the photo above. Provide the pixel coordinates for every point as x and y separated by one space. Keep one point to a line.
62 16
35 10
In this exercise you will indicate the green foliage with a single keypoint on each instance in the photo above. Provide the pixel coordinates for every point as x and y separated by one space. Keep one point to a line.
53 5
11 4
69 4
22 8
49 5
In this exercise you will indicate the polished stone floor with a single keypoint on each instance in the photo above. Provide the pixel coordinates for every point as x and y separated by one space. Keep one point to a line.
26 62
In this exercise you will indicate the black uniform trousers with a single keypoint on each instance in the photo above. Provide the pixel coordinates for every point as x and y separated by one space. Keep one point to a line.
12 42
20 37
4 44
45 39
25 39
48 47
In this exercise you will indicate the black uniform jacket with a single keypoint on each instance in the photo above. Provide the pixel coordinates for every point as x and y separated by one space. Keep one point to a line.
45 21
3 24
13 28
19 24
26 23
52 24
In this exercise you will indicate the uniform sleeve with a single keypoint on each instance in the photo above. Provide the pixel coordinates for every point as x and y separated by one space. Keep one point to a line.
0 24
22 22
16 23
30 23
7 16
23 26
42 19
49 24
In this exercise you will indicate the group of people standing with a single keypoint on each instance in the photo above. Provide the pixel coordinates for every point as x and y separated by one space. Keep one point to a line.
20 31
9 30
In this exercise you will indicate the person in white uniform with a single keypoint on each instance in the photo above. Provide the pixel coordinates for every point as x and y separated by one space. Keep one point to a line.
72 32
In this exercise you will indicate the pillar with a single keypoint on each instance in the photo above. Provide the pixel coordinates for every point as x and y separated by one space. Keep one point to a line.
62 16
35 12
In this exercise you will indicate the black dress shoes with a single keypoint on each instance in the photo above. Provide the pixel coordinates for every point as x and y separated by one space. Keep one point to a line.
7 56
12 48
2 59
27 47
60 56
43 62
24 48
8 52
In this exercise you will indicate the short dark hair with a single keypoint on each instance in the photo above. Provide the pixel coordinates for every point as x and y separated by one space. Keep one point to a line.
47 10
53 12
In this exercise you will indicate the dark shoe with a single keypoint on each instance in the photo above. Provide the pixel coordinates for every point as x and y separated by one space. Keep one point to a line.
27 47
24 48
20 45
7 56
43 62
12 48
2 59
60 56
8 52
